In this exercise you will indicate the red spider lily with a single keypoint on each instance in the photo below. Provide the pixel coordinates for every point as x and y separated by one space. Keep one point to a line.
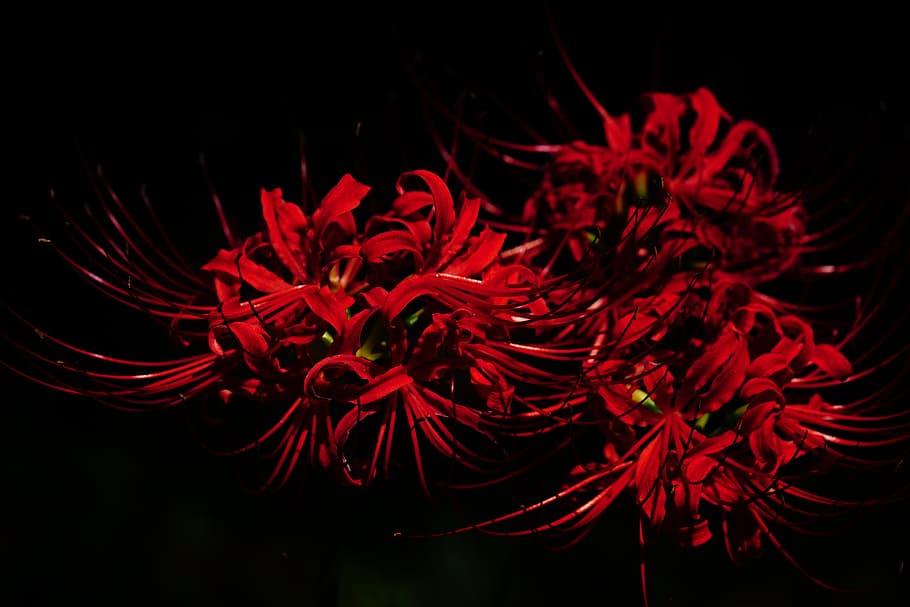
629 311
333 339
710 389
717 175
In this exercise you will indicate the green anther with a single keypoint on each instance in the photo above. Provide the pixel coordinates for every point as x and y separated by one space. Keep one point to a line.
411 320
327 339
640 181
730 420
702 421
376 343
371 356
640 397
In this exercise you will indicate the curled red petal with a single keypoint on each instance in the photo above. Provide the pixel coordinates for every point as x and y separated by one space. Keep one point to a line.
331 307
768 365
443 205
410 202
389 243
280 233
337 205
484 250
260 278
718 373
470 209
252 337
618 132
708 114
830 360
381 386
403 294
696 534
761 390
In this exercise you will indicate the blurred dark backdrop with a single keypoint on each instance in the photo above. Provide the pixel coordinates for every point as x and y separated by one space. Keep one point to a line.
106 508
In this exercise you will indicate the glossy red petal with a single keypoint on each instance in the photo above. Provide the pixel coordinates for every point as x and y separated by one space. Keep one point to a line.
329 306
717 374
441 198
280 234
382 385
482 252
830 360
252 337
392 243
337 205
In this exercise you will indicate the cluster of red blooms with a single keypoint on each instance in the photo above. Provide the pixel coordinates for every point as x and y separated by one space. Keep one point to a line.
624 307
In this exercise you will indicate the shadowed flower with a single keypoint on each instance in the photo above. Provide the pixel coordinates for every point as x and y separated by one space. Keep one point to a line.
634 314
321 342
714 392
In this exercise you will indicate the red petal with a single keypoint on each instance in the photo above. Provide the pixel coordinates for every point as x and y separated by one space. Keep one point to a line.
331 307
761 390
695 535
767 365
703 132
403 294
718 373
443 205
337 205
383 385
619 133
484 250
662 127
470 209
349 339
411 202
387 243
831 361
650 493
272 204
252 338
260 278
374 297
317 386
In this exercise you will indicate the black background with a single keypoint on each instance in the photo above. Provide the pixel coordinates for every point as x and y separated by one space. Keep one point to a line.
108 508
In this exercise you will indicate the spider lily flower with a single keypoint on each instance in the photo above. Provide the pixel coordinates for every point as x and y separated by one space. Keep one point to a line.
628 311
690 173
712 391
336 340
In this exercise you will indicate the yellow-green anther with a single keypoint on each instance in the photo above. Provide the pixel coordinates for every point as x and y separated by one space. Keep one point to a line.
411 320
334 278
376 342
640 183
640 397
371 356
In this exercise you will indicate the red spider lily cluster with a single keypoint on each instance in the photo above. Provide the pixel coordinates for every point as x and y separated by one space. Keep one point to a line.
624 308
710 393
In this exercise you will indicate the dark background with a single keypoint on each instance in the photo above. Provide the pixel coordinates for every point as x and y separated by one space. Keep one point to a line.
108 508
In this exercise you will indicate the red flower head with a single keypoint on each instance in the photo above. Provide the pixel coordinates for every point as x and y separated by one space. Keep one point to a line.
631 315
713 393
324 342
691 177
